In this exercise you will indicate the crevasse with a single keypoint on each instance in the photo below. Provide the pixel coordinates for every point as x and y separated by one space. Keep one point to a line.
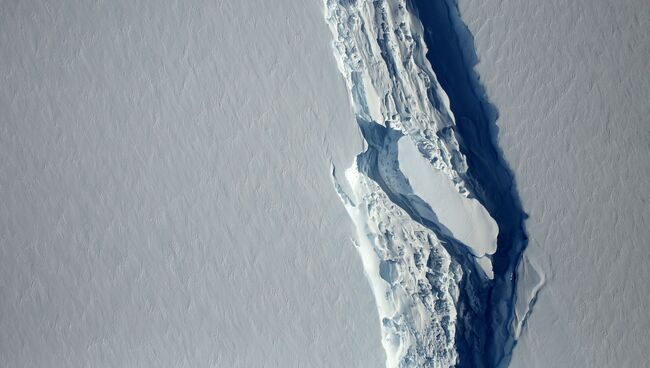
425 241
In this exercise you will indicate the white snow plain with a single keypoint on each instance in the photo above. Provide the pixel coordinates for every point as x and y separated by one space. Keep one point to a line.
165 199
571 81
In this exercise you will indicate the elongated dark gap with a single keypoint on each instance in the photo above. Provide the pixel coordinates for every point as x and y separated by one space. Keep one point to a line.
484 337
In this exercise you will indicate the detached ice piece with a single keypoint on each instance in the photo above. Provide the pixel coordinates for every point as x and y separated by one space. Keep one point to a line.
465 218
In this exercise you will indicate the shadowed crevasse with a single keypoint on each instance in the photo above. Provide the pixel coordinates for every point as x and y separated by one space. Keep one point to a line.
485 337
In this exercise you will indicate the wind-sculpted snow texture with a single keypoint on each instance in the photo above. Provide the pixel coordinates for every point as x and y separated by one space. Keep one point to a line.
440 301
165 200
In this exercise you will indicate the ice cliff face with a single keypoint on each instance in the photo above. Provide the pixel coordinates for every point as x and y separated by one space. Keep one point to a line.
425 241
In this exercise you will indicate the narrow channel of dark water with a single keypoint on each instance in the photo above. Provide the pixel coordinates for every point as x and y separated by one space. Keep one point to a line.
486 340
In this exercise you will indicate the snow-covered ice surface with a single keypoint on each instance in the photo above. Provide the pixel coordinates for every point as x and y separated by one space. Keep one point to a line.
571 82
165 198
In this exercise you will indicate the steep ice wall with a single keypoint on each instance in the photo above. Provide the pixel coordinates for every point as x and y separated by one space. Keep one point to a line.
571 80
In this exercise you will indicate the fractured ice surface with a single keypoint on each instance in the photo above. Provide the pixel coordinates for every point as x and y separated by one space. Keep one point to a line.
419 229
413 278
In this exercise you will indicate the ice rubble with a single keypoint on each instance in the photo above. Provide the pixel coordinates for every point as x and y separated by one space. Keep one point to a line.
416 302
413 213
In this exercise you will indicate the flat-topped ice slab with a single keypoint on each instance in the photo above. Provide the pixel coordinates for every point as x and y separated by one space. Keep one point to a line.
465 218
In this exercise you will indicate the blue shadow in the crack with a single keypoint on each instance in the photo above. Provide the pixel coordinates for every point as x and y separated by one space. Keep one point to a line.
453 57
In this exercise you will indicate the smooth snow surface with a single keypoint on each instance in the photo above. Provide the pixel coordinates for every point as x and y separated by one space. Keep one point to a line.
465 218
165 198
571 81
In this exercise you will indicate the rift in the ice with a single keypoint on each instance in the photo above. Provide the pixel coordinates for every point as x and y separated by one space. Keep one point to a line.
484 338
473 321
400 95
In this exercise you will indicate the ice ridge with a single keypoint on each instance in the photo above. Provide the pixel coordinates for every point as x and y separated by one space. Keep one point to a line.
431 277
